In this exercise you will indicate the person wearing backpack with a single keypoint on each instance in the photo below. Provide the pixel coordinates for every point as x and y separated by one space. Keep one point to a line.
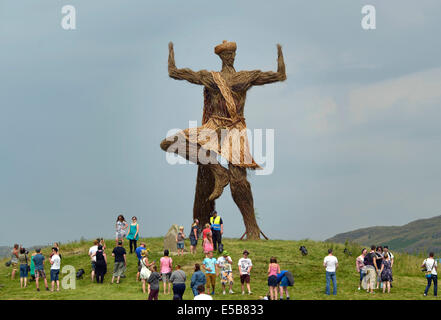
430 266
24 267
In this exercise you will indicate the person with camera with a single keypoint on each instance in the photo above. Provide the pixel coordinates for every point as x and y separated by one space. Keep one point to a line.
217 229
24 267
430 267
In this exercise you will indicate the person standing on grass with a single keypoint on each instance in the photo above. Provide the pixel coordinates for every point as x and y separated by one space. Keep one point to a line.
14 260
32 271
178 279
201 294
55 261
386 272
391 257
431 267
370 261
194 236
121 228
217 229
379 260
180 237
133 235
208 243
331 264
138 252
273 271
210 266
145 270
153 282
101 264
361 268
197 279
245 265
23 260
39 269
166 264
285 279
224 263
92 250
120 261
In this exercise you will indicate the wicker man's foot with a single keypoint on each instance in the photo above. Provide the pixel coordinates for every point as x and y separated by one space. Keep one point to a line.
221 180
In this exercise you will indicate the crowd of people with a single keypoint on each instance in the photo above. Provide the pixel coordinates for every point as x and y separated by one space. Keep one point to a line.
374 267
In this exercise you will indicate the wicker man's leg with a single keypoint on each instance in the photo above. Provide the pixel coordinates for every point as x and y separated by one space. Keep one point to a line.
243 197
191 152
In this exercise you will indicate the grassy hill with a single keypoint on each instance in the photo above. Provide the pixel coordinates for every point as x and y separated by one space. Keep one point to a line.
418 236
308 272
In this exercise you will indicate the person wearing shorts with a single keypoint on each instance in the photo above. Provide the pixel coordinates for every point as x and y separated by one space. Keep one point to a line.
210 266
55 261
166 265
245 265
39 269
180 237
23 259
120 262
226 271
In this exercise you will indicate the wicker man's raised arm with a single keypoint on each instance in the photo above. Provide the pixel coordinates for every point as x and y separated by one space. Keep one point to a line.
270 76
202 77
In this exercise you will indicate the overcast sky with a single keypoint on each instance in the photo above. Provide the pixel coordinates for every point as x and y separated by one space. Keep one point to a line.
82 113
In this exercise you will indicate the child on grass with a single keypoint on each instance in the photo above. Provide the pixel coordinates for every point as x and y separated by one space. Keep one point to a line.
180 237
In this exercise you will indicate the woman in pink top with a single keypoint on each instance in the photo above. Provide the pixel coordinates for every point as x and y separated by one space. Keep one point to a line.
273 270
208 243
166 264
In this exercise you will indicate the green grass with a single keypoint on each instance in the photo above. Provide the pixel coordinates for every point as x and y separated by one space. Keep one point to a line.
409 282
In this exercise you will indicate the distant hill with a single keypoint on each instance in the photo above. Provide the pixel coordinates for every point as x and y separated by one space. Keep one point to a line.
417 236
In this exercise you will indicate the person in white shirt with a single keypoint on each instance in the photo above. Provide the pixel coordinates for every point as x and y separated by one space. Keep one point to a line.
55 261
202 295
331 264
431 266
245 266
93 249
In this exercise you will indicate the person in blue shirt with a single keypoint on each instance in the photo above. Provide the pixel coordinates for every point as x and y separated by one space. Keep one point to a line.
283 279
197 279
210 267
39 269
138 251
